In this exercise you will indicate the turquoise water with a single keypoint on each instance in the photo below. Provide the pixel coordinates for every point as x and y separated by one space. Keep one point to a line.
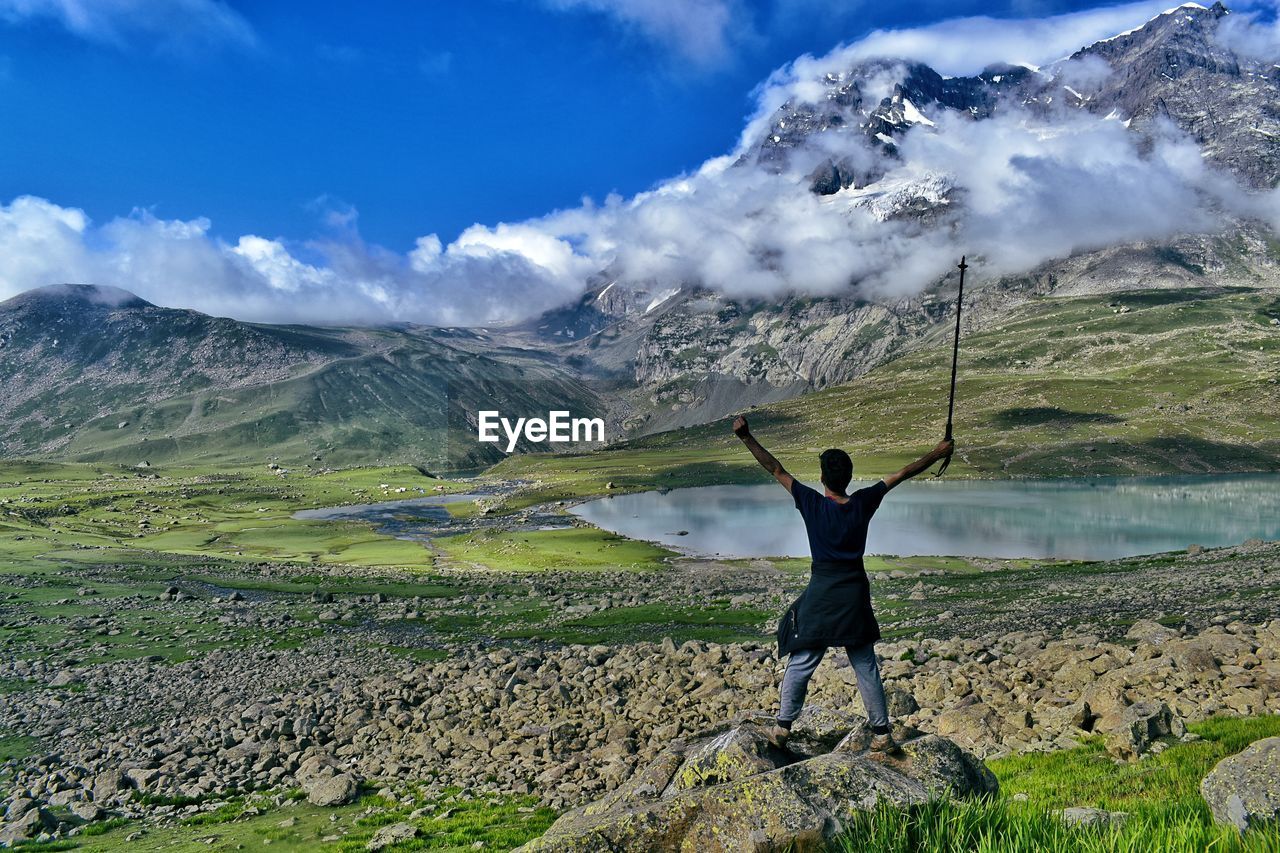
1085 519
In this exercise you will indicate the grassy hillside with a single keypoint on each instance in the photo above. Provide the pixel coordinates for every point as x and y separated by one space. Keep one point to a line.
98 375
1149 382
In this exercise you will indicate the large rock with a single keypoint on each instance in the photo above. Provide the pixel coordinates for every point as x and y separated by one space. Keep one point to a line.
109 784
1140 726
818 730
1244 789
30 823
331 790
971 725
389 836
728 790
1151 632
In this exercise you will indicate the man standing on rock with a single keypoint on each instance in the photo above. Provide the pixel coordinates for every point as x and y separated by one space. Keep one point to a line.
835 609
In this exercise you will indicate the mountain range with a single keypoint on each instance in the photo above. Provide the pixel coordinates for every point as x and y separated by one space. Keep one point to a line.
94 373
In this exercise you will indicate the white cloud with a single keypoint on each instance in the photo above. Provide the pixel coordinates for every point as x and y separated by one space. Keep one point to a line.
697 30
180 263
962 46
1025 190
1253 30
169 24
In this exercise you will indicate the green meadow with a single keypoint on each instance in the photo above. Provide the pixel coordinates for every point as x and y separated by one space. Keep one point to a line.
1159 794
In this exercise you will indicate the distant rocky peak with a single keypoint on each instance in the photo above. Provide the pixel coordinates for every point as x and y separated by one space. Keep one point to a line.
78 297
1189 17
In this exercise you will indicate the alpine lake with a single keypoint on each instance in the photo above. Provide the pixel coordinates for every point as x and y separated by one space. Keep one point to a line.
1098 518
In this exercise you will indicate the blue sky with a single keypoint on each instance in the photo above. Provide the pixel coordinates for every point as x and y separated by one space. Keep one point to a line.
425 117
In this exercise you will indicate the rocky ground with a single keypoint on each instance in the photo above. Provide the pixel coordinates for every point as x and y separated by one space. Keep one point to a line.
1008 658
731 789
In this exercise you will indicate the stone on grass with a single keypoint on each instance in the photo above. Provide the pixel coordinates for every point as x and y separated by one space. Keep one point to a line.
1082 816
1244 789
396 833
1140 726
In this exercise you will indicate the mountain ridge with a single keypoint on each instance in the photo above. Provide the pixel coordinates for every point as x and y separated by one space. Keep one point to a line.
120 379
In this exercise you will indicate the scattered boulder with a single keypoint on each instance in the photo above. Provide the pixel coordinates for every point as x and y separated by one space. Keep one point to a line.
1244 789
729 790
1151 632
900 703
335 790
1141 725
141 777
970 724
87 812
107 784
64 678
1075 715
1081 816
27 824
396 833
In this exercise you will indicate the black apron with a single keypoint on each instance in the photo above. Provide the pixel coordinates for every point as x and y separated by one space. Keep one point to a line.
834 610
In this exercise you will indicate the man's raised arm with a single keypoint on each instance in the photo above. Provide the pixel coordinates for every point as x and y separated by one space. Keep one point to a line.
942 451
764 457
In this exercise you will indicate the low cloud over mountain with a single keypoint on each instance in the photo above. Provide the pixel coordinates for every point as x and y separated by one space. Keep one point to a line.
857 171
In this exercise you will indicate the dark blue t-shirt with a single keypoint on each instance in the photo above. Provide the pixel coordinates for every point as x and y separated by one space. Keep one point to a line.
837 531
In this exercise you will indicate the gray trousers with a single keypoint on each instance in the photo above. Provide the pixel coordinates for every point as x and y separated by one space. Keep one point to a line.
804 662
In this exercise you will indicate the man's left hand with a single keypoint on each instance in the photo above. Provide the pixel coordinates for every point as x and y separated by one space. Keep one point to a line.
740 428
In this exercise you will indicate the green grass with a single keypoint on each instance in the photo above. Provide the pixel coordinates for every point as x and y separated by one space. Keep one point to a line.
1086 775
1160 793
54 513
451 823
715 622
307 584
14 746
573 548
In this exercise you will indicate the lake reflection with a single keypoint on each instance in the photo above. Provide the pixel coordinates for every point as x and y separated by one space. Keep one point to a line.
1093 519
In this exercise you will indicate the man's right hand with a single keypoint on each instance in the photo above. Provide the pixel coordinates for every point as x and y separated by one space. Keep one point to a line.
740 428
945 448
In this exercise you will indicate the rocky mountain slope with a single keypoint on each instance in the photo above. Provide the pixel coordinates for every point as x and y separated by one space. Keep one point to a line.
95 373
1174 67
695 354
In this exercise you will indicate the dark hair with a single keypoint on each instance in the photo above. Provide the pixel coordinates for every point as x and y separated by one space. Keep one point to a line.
837 470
